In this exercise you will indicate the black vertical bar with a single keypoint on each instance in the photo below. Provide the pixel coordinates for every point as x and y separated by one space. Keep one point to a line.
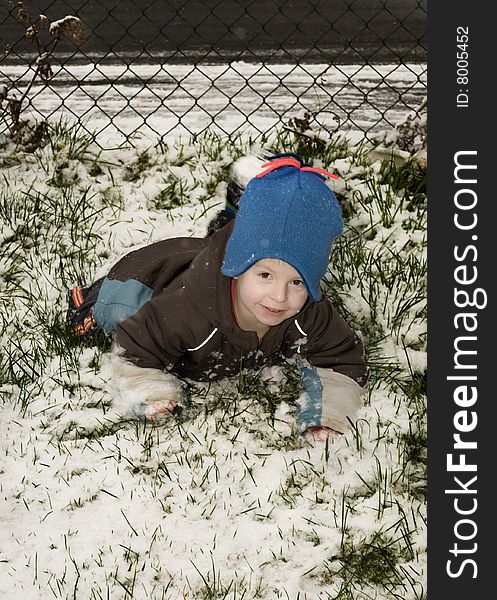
461 319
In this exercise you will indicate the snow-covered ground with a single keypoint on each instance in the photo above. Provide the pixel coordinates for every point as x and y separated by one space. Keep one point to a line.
182 99
229 503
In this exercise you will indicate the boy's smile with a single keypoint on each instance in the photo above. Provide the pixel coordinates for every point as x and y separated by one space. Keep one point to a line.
267 294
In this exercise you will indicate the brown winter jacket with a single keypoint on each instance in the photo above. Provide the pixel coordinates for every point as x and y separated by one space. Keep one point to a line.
189 328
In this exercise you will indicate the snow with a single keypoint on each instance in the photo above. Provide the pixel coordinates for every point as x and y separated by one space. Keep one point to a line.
180 99
92 506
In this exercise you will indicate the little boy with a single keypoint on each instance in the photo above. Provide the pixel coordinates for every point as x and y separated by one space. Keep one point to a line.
244 297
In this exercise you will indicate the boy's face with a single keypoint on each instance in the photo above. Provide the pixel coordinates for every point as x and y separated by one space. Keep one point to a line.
267 294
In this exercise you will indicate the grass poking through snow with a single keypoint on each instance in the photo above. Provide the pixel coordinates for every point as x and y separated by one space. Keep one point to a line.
227 502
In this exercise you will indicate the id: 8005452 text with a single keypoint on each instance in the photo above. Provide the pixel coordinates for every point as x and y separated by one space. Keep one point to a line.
462 67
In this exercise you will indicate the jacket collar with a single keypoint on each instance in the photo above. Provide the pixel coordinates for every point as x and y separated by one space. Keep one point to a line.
210 292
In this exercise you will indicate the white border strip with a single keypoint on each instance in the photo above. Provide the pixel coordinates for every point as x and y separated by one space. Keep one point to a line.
299 328
203 343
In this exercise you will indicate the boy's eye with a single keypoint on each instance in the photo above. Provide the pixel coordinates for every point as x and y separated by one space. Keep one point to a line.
264 275
297 282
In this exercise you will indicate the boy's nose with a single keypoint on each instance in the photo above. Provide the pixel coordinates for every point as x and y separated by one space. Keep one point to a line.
278 292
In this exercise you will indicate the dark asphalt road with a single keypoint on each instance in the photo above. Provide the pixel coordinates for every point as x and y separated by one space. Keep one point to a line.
342 31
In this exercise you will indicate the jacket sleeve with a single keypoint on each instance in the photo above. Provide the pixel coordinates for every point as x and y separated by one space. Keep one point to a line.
146 347
144 392
328 399
158 334
331 343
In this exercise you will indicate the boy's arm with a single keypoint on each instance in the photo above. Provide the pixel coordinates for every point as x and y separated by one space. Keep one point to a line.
331 343
145 392
329 400
334 374
146 347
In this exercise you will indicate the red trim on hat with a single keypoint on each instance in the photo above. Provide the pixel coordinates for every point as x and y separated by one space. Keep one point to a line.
292 162
321 171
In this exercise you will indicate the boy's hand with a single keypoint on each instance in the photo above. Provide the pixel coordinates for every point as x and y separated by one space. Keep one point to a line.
150 394
320 434
154 410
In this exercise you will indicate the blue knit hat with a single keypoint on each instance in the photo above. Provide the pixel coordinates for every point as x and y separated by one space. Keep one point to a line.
289 213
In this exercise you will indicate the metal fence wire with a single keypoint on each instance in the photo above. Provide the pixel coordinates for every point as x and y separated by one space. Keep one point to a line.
164 67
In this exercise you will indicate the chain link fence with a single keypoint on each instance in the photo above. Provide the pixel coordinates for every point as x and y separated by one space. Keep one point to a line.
150 68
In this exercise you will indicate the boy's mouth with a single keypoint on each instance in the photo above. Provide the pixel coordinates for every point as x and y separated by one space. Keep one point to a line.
274 311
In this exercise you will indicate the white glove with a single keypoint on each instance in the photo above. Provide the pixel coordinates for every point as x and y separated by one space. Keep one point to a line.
341 399
147 393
